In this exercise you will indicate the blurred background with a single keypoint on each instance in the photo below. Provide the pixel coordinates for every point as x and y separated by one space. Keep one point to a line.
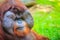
46 15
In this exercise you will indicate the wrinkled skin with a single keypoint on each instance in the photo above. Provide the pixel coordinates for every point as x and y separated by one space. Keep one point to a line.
16 22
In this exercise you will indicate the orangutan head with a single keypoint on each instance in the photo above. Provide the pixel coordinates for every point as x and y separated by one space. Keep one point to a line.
16 22
15 18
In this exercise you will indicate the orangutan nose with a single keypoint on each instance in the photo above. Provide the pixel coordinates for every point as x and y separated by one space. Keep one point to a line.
20 24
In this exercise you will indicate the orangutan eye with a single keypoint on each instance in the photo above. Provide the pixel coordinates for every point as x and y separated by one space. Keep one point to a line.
10 14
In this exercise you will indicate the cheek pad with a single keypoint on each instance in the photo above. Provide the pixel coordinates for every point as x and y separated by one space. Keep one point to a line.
8 23
9 14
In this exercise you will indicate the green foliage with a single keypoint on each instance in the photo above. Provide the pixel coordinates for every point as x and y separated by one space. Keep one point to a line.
48 24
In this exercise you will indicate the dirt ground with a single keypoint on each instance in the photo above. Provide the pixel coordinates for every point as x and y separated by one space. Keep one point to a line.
41 8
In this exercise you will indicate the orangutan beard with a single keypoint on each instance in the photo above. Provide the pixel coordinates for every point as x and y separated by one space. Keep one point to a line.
21 32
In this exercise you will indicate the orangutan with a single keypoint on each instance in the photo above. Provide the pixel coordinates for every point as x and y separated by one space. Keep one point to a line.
16 22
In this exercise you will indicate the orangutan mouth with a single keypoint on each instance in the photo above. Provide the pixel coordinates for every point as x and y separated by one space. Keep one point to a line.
19 28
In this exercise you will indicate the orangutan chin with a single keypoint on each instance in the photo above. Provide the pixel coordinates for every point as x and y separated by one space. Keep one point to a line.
16 22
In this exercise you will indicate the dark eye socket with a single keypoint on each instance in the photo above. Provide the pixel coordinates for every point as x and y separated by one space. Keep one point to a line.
19 18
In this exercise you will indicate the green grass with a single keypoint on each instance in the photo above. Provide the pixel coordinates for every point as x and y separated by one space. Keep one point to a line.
48 24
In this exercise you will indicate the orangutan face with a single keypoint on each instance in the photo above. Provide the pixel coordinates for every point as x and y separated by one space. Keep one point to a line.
16 23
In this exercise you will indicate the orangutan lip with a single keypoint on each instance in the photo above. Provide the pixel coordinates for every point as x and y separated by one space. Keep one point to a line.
19 28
